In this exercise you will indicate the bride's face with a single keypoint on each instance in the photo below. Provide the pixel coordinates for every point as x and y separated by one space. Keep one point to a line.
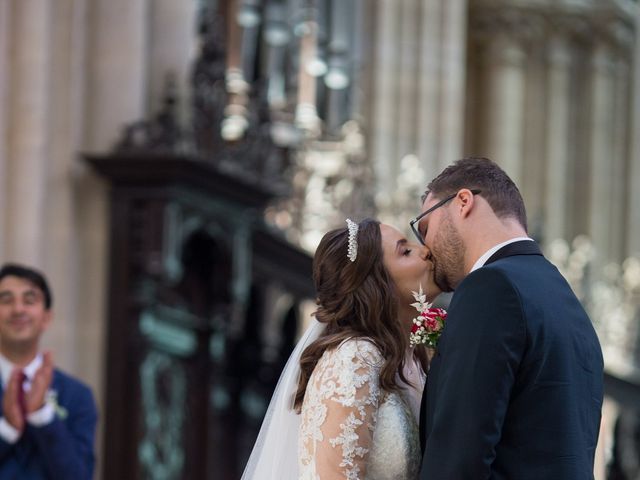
408 264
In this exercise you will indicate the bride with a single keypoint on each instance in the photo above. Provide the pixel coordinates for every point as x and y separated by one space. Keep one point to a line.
347 404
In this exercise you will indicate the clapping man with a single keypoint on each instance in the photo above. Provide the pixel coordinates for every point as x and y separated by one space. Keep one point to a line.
48 418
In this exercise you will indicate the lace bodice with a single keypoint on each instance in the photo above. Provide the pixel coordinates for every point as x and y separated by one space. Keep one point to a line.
352 429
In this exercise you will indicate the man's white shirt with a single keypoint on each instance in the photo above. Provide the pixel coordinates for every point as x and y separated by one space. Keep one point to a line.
487 255
39 418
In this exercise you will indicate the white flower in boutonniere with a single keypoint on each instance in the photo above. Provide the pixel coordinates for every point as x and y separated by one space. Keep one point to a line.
52 399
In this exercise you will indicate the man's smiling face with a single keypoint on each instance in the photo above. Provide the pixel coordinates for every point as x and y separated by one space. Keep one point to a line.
23 314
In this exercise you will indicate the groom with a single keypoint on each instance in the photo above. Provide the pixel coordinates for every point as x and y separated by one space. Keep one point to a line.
515 389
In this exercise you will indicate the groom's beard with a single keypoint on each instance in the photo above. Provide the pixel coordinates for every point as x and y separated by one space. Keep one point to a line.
448 256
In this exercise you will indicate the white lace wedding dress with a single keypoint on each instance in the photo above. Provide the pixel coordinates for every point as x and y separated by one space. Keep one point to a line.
351 428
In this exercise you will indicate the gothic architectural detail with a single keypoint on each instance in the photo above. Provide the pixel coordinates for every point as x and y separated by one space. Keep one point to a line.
209 81
506 25
548 74
162 134
333 181
195 275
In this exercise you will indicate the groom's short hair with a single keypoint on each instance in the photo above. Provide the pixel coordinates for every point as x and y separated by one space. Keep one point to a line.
500 192
31 275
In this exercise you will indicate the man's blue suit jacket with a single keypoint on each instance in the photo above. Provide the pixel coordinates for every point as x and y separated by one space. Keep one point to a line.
515 389
62 450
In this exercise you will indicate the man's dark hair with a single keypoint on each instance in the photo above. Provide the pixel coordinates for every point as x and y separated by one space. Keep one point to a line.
481 173
31 275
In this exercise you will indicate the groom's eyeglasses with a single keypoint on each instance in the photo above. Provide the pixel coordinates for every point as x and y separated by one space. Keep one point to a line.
416 220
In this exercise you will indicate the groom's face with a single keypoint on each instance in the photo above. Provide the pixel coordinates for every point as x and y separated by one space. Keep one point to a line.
447 248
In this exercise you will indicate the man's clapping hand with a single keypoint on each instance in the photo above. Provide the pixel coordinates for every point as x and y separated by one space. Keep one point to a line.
34 399
17 406
11 408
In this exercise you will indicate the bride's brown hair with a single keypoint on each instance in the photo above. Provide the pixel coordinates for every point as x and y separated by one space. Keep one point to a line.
356 300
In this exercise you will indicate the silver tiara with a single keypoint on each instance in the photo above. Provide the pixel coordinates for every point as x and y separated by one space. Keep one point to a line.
352 252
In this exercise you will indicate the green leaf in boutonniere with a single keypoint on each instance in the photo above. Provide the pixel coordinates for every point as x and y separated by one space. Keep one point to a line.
52 399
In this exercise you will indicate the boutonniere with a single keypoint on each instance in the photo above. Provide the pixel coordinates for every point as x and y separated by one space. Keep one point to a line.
427 327
52 399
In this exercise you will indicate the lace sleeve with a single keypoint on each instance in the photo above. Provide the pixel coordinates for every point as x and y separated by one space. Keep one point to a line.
339 412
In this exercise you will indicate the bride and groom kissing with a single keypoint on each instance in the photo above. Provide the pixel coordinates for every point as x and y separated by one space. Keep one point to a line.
514 389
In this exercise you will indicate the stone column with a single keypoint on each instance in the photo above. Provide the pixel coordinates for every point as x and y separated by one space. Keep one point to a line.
558 149
633 180
338 80
235 123
383 141
505 63
619 159
233 38
28 131
454 47
360 104
66 99
407 79
441 86
276 37
430 59
171 49
601 140
621 38
306 115
116 66
118 56
5 35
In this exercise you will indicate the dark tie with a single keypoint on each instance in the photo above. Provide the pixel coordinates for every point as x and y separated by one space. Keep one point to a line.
21 398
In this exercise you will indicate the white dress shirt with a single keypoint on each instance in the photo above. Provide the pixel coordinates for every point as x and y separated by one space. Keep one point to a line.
487 255
40 417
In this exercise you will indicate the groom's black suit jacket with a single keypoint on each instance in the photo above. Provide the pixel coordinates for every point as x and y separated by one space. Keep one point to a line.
515 389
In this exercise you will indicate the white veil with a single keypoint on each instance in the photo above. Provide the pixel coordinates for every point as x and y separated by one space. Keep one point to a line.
275 454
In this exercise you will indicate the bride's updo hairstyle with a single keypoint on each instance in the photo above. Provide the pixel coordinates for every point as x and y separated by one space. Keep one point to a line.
355 300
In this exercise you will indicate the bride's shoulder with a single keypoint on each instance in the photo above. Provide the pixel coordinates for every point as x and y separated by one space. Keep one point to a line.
360 350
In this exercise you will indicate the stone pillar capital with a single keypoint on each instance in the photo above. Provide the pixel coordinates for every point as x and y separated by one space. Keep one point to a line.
569 27
506 34
619 34
558 47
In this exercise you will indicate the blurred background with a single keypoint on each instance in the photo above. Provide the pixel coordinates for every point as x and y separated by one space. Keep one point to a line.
172 164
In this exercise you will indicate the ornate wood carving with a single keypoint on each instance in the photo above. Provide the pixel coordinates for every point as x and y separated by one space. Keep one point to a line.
191 264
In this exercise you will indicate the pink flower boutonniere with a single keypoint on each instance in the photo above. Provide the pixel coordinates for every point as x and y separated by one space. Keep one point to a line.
427 326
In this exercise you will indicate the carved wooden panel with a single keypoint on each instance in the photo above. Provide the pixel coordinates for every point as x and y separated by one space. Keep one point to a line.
203 311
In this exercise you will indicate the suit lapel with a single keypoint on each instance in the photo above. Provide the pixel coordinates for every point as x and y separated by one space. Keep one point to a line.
423 416
426 406
523 247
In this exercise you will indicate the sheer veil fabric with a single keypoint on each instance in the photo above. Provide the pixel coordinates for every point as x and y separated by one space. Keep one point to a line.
275 453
